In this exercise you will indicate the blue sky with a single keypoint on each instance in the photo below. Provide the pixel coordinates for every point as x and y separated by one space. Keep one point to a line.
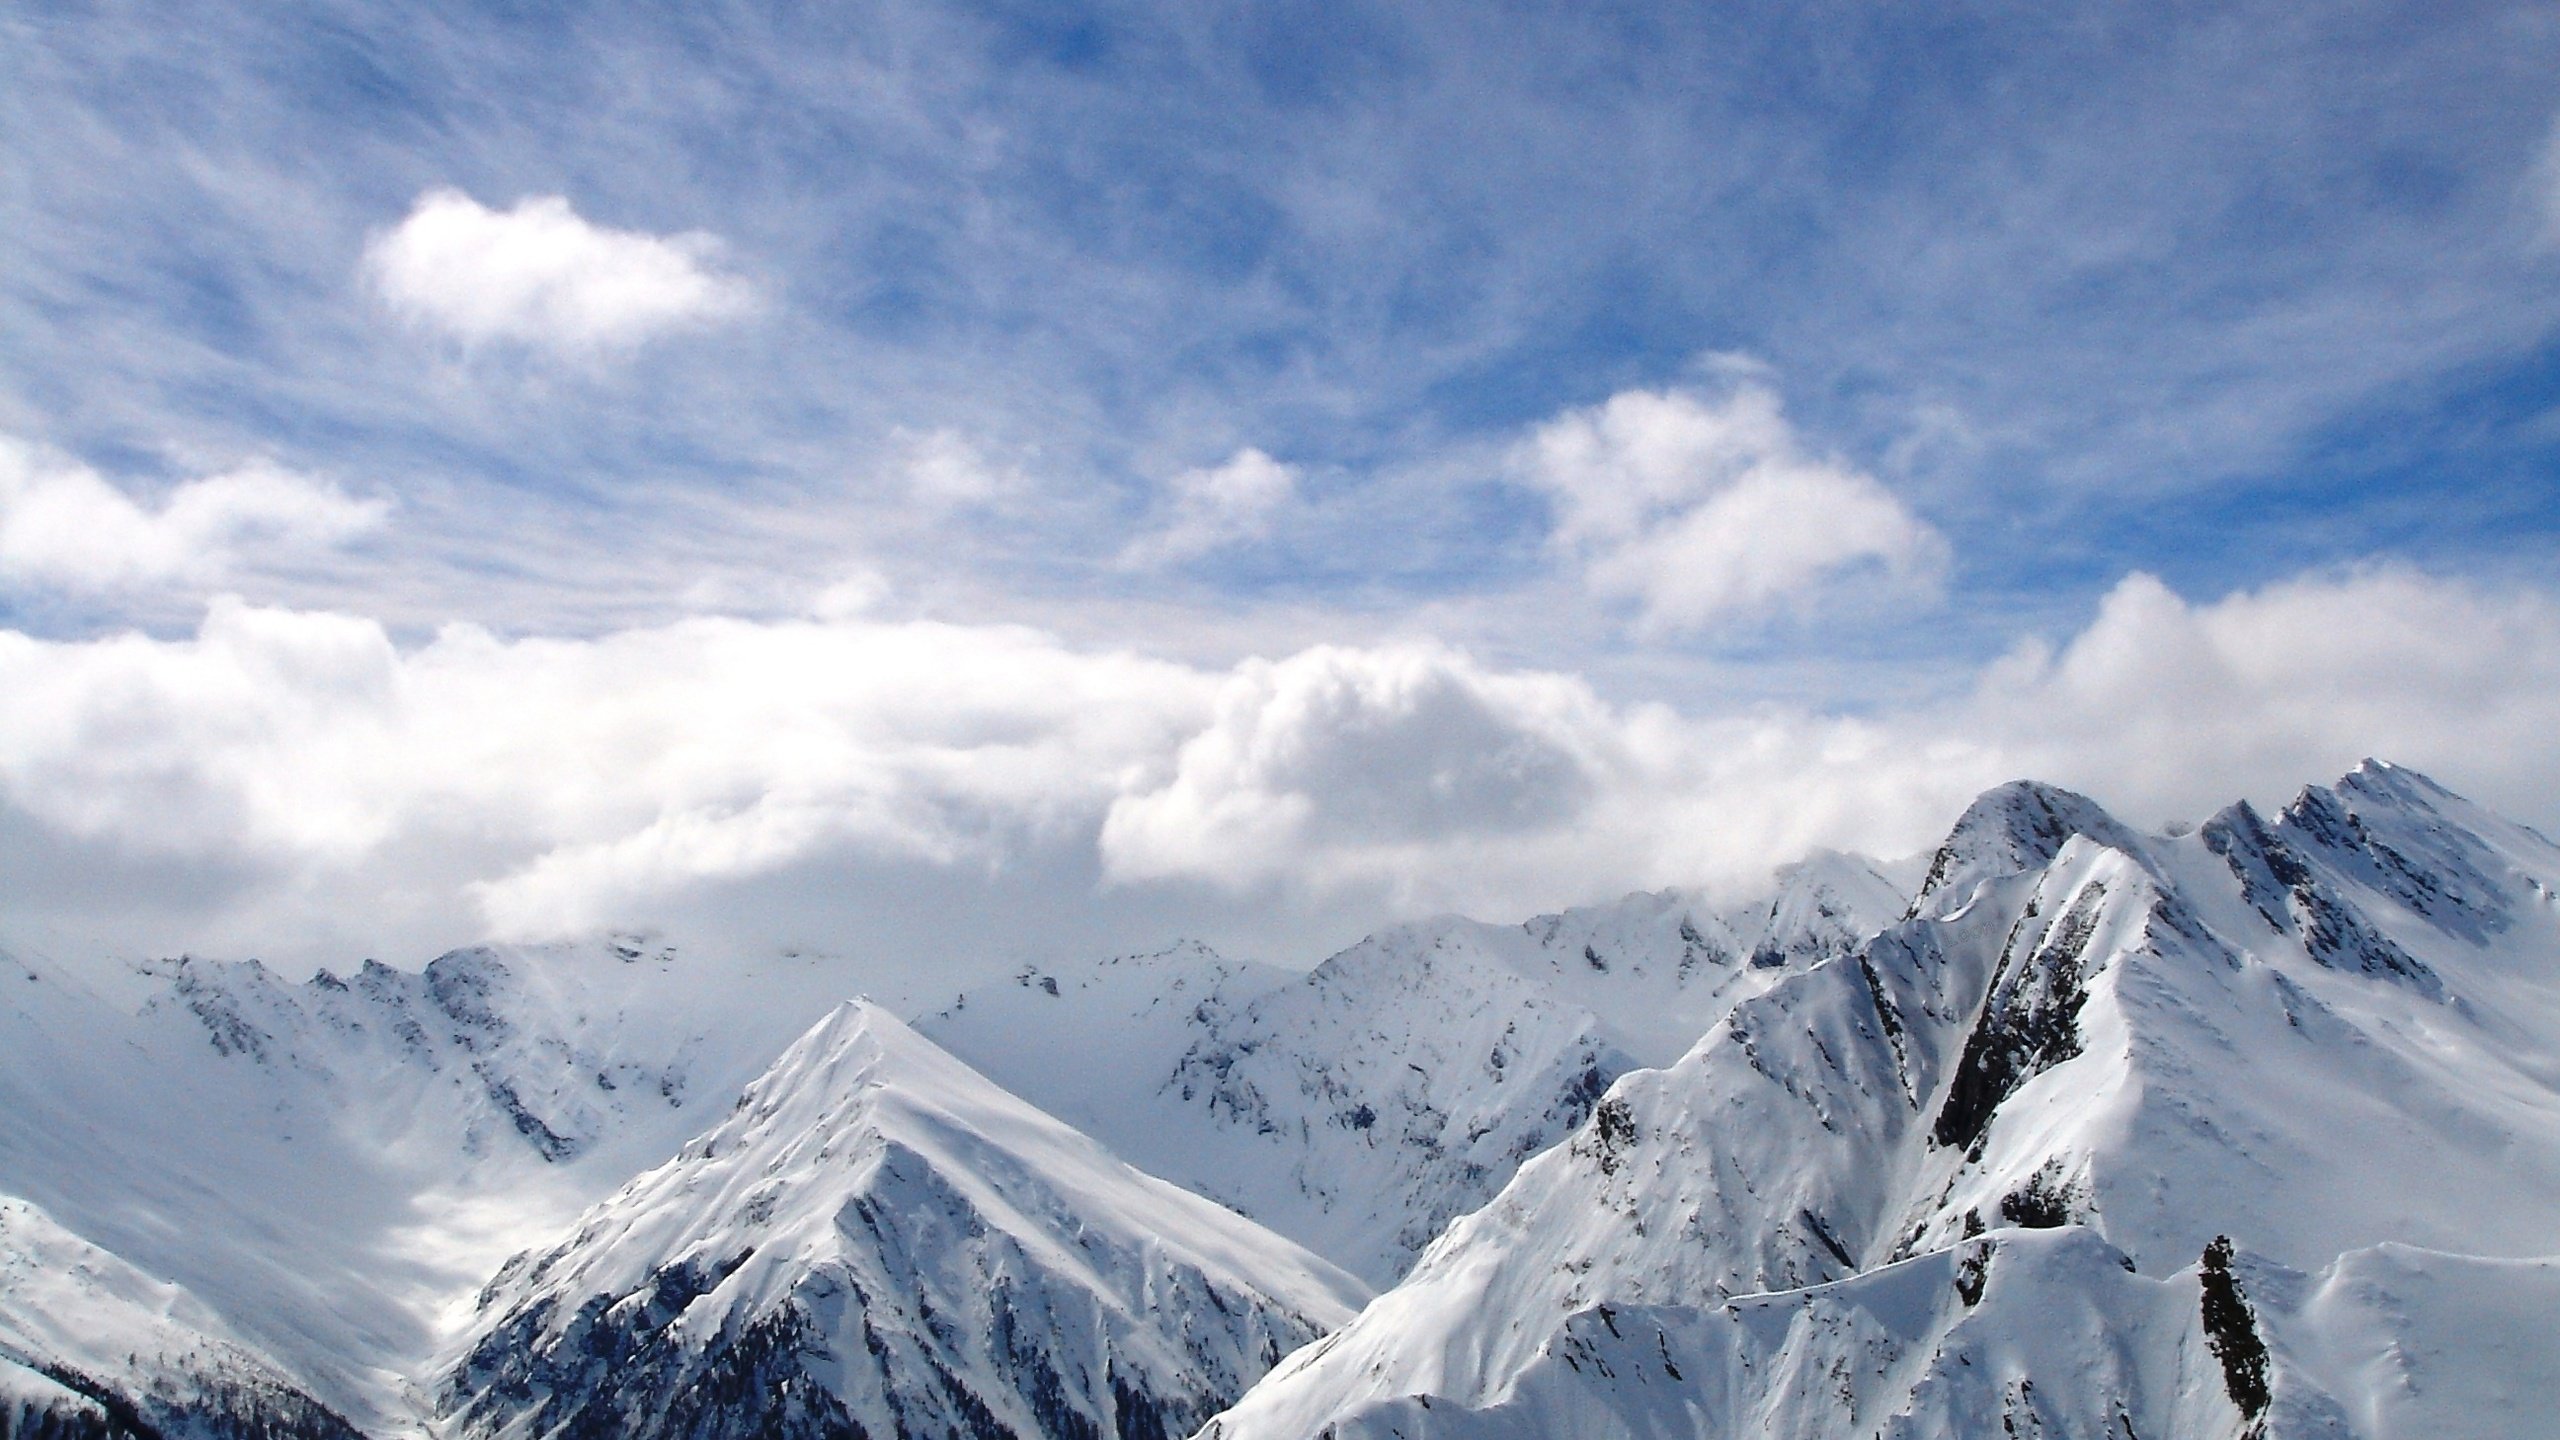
1196 334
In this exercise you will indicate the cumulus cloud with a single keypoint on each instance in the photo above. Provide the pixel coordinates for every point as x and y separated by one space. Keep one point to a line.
1338 759
1210 508
2169 707
65 526
540 275
1699 509
861 772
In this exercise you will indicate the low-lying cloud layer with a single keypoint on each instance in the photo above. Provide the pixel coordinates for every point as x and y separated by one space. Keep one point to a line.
322 787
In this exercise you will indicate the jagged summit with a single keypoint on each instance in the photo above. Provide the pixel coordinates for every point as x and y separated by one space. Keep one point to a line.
2313 1036
2009 828
367 1145
880 1241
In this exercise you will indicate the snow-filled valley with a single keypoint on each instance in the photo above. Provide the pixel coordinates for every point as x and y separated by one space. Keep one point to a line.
2249 1129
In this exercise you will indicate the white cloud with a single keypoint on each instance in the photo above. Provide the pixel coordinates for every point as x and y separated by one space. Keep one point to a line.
1700 510
1338 760
861 774
63 525
540 275
1213 507
554 784
947 470
2168 707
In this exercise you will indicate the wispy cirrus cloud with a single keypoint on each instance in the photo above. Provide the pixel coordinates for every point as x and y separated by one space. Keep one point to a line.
2126 272
2048 302
542 276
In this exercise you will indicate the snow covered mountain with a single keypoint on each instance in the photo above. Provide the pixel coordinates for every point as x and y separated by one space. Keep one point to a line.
2048 1333
2249 1130
879 1241
332 1165
92 1347
2335 1031
1361 1106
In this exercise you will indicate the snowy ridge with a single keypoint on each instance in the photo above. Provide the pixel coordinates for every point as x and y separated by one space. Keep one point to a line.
2009 829
555 1049
91 1346
2121 1037
2049 1333
1360 1107
880 1241
2016 1333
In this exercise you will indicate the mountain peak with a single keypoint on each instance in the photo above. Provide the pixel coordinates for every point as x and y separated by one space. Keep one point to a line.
2381 780
2011 828
879 1240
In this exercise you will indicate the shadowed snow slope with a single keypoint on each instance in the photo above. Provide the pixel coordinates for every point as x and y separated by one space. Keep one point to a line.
880 1241
1359 1107
90 1346
2315 1035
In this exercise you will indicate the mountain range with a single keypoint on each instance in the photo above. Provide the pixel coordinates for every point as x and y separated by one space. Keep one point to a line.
2244 1129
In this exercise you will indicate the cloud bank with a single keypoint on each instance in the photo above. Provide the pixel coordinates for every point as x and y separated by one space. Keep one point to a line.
542 276
326 787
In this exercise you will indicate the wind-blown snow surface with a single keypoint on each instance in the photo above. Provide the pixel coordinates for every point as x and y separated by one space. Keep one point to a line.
879 1241
332 1165
2317 1035
1359 1107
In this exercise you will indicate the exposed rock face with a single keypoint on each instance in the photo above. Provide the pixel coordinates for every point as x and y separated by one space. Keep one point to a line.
2245 1132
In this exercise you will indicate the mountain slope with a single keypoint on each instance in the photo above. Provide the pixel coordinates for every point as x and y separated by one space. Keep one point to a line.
1094 1044
2046 1333
2117 1033
331 1165
90 1346
880 1241
1359 1107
